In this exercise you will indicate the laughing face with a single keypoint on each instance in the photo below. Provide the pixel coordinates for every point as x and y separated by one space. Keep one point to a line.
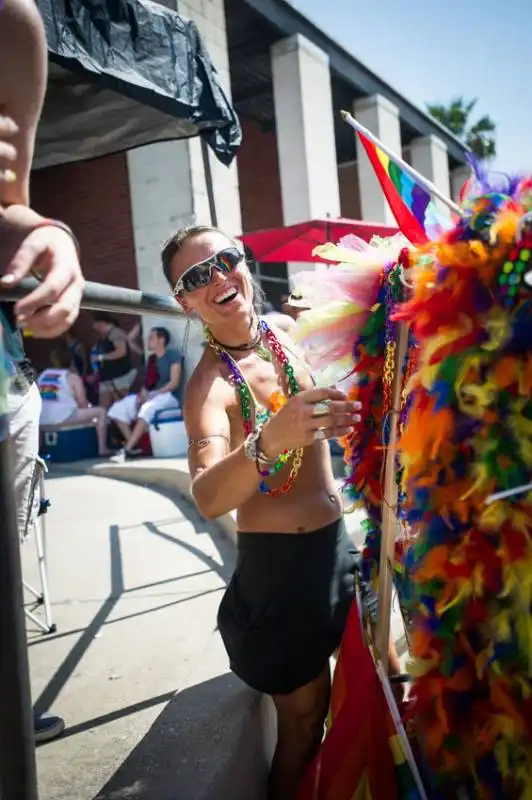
227 294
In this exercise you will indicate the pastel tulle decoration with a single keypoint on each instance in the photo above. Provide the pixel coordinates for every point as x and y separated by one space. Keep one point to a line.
341 298
468 436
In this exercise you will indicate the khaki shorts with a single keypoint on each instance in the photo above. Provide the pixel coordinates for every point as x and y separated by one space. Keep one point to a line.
24 412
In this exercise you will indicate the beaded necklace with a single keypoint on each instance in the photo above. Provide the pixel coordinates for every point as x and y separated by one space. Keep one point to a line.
246 401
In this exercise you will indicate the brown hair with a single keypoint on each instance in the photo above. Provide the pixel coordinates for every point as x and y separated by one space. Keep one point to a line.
61 358
179 239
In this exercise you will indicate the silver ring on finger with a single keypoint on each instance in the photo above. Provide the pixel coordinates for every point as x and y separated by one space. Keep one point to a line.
321 409
319 435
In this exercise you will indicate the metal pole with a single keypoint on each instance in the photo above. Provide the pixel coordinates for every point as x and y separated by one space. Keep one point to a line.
104 297
414 174
208 182
18 776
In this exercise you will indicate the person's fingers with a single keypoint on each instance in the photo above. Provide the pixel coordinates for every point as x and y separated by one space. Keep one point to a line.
334 413
8 127
8 152
48 323
331 432
52 288
29 255
335 407
321 393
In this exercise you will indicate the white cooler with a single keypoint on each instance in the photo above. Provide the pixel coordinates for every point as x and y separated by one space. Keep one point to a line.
168 435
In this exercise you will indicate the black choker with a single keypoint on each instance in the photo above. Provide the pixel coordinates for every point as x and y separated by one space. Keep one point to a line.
242 348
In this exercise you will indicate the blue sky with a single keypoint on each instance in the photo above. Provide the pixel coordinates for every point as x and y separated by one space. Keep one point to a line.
434 50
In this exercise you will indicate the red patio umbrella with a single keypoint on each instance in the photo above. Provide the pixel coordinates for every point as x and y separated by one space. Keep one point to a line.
296 242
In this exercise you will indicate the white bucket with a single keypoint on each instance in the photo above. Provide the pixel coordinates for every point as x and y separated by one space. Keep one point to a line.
168 435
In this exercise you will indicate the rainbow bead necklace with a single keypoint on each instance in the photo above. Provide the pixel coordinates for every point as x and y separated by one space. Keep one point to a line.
246 402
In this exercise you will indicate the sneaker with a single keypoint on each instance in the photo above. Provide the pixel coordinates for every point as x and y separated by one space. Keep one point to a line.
48 727
120 457
124 455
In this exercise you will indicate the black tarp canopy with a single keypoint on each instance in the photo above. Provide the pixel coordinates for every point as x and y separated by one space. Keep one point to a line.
125 73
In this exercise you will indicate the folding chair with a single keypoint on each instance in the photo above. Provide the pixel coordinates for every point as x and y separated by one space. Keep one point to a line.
42 597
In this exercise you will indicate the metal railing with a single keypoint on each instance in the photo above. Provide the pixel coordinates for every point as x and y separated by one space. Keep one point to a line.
18 778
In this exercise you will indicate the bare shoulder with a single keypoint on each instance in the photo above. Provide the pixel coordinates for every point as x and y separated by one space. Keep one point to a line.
117 334
207 385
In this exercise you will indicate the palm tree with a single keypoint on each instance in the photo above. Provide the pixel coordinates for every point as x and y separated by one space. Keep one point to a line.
479 136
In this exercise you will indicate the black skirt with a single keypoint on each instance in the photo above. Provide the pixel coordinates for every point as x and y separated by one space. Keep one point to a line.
284 611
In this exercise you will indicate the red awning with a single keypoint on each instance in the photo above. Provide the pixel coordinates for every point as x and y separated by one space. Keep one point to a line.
296 242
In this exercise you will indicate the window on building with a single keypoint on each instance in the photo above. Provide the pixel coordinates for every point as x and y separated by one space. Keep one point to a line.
273 278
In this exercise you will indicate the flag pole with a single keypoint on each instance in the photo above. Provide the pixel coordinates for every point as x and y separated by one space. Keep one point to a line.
389 505
414 174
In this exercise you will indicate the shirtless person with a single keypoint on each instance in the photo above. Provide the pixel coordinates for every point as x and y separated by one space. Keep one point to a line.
285 608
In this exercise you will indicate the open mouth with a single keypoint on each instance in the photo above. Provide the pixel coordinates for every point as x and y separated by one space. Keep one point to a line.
226 297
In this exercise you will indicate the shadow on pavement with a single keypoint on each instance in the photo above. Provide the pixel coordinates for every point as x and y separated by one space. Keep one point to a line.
101 618
205 745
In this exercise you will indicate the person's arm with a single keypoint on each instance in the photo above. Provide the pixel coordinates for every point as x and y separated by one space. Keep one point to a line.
133 337
23 77
24 246
173 383
221 480
78 390
82 353
119 340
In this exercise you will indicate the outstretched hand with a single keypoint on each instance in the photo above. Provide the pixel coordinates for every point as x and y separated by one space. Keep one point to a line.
309 416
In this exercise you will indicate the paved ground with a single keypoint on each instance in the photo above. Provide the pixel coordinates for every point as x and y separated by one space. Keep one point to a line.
135 582
137 669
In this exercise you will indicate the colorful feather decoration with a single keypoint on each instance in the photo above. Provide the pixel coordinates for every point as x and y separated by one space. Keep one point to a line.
468 436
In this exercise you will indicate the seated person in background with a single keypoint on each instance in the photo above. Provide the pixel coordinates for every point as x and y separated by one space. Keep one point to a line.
296 304
64 400
78 352
115 369
163 373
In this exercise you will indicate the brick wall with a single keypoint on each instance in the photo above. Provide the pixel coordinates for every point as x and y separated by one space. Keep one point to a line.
260 186
93 198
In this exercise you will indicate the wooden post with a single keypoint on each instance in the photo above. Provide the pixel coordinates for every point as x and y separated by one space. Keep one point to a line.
389 506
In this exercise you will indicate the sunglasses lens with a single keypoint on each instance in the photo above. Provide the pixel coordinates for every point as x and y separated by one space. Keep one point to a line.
228 259
200 275
197 277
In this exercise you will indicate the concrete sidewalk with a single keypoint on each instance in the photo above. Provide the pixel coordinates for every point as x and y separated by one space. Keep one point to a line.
136 668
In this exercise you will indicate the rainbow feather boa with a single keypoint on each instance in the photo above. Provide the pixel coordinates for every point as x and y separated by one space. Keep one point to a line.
468 435
346 333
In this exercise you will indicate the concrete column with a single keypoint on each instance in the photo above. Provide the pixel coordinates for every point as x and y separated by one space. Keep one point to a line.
305 132
381 117
428 155
166 193
459 176
168 187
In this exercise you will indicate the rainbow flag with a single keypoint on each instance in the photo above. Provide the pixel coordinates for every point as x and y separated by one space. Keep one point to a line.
412 206
362 756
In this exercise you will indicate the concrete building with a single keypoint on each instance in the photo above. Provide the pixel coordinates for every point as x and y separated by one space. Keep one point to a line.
298 160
